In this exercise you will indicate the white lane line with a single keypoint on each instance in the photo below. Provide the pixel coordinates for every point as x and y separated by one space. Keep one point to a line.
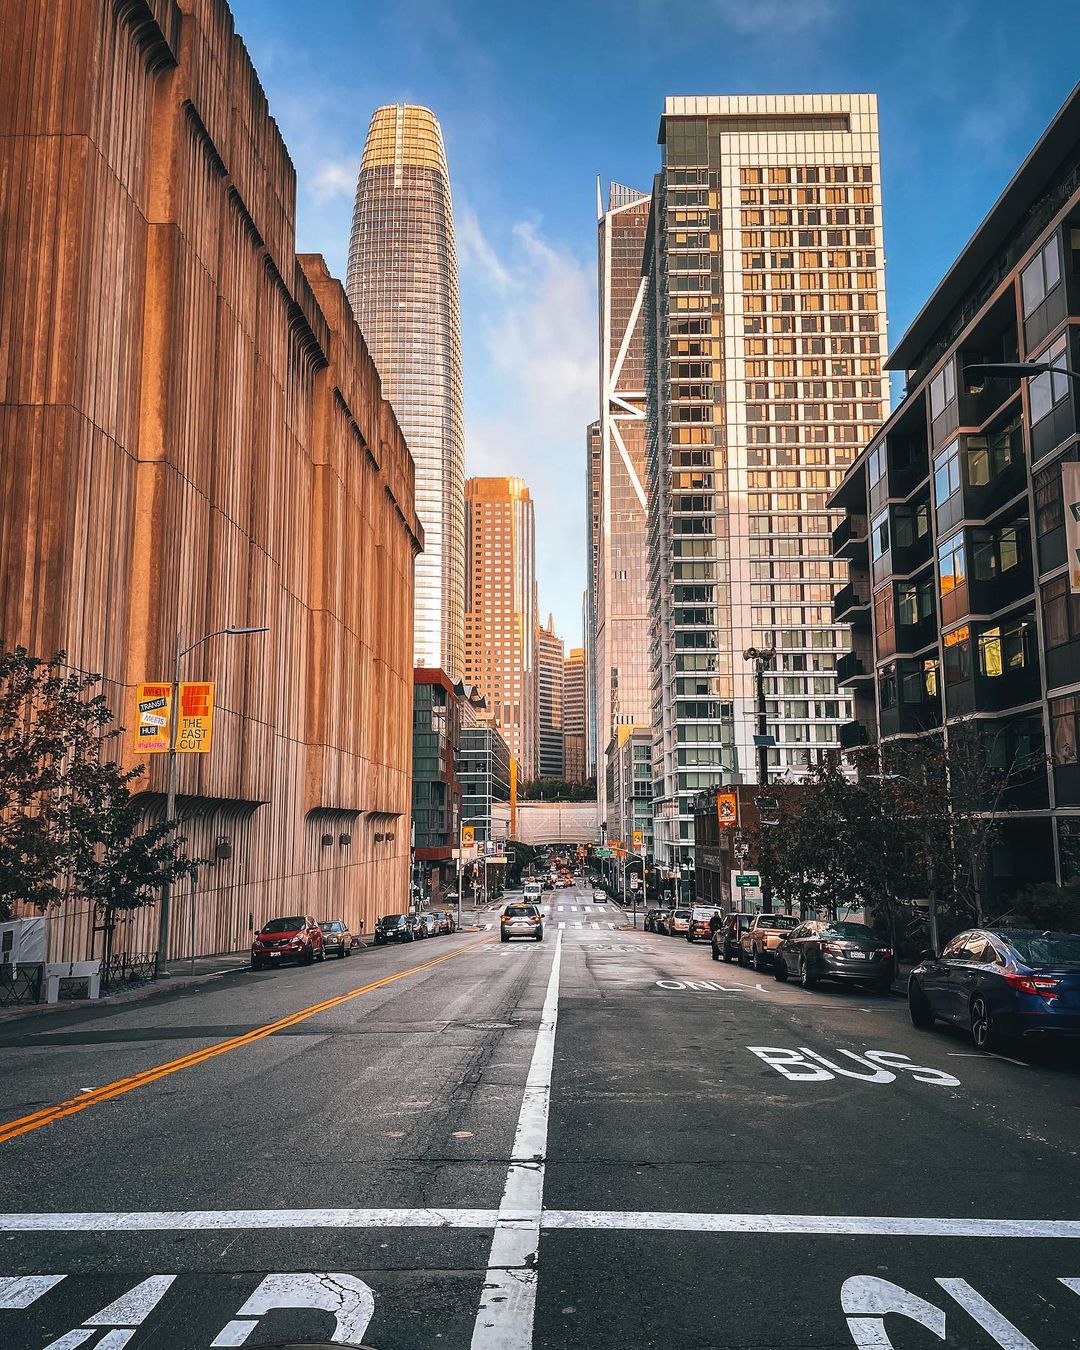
987 1316
985 1054
213 1219
562 923
813 1224
508 1303
595 925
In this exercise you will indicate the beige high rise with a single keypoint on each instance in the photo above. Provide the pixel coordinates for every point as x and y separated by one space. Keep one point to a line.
500 609
767 318
574 715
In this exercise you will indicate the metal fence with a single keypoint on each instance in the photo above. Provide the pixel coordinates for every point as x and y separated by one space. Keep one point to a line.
128 968
20 984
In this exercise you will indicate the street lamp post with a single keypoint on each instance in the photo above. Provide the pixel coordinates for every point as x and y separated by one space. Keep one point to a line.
764 658
976 375
170 802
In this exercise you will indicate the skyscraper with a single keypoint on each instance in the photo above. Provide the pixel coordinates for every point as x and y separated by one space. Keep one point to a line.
766 323
403 287
621 644
574 715
500 609
593 462
550 656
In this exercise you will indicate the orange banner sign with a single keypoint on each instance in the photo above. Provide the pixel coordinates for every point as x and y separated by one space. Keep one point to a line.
153 710
194 731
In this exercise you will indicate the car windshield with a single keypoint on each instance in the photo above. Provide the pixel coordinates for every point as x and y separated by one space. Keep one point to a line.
682 913
1047 949
329 927
777 921
850 930
283 926
521 911
392 920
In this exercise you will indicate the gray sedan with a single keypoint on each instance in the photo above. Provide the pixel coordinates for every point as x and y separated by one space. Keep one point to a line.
848 952
521 920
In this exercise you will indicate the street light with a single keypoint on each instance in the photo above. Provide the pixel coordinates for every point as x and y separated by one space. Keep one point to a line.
975 376
764 658
170 805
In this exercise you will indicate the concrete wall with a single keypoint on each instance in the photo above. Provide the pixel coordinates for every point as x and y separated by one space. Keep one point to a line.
193 435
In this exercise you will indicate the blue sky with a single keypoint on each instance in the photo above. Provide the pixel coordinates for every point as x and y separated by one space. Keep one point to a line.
535 100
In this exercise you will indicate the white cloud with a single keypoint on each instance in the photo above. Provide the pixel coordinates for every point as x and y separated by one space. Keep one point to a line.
531 389
332 178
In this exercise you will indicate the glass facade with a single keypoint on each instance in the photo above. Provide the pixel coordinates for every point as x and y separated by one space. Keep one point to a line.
617 494
593 465
435 793
500 609
403 287
574 714
766 306
483 770
549 701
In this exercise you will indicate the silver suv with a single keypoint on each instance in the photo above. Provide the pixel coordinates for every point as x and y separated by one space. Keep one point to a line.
521 919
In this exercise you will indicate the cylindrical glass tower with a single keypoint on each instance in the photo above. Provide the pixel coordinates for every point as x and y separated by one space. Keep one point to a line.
403 287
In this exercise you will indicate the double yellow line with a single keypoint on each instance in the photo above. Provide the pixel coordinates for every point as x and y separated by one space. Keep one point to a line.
13 1128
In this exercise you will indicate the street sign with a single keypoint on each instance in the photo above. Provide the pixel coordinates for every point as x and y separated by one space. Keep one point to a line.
745 887
468 836
153 712
195 729
602 852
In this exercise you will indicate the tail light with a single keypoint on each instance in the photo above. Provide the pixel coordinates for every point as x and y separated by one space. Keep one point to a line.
506 918
831 949
534 918
1042 985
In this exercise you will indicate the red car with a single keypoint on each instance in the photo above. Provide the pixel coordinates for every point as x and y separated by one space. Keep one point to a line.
295 938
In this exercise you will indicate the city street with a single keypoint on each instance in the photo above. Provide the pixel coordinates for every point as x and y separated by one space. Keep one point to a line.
372 1151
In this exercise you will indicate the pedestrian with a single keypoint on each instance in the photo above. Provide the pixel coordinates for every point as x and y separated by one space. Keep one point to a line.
716 922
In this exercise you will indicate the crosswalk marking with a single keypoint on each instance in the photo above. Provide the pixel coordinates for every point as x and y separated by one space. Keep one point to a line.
595 924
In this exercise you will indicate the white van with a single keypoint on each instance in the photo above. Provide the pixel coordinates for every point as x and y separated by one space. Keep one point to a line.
532 890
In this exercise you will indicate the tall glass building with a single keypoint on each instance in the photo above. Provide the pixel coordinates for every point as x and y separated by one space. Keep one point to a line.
765 340
621 640
403 287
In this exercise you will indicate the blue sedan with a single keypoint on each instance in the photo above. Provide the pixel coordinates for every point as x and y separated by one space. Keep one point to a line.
1000 983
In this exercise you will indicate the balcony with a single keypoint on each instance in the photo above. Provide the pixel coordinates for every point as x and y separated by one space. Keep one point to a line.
849 538
852 735
851 604
851 669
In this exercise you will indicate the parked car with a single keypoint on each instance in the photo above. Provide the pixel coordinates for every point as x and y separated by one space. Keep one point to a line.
337 940
761 938
429 925
1001 983
701 917
678 923
651 916
725 941
850 952
599 897
521 920
296 937
446 920
394 928
548 884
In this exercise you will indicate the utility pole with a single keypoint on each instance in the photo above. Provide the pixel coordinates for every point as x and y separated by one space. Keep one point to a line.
764 658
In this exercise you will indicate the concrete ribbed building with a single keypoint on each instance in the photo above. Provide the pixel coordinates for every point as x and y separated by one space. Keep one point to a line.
194 436
403 285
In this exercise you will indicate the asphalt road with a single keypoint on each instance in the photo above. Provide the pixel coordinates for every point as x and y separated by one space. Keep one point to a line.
603 1140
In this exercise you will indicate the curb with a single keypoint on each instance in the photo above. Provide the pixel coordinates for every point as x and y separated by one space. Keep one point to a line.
149 990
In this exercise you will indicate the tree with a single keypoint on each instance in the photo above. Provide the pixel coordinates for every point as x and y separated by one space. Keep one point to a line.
68 822
557 790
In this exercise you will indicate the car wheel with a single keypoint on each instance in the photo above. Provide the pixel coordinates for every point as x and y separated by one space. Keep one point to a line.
779 968
342 952
806 979
727 954
539 937
983 1031
503 937
740 956
309 956
322 954
919 1009
761 961
256 965
715 952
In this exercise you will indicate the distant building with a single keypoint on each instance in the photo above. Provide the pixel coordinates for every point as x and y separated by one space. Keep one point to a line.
500 609
593 470
629 788
617 496
958 533
574 713
483 770
403 287
764 351
436 792
549 701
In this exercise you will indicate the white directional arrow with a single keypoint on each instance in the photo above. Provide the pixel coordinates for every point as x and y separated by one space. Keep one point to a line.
19 1291
349 1299
123 1316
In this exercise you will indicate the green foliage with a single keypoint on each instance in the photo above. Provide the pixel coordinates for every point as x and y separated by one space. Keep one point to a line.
68 822
520 857
557 790
1047 906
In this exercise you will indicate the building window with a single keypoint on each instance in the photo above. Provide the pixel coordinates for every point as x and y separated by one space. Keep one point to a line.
879 530
887 687
1005 649
1047 391
952 565
877 464
957 654
1061 613
947 473
1063 719
1040 276
942 390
